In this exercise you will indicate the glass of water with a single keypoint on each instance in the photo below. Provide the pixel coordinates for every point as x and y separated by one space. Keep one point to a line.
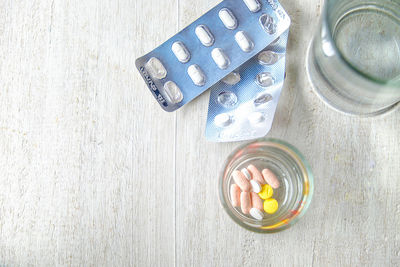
353 60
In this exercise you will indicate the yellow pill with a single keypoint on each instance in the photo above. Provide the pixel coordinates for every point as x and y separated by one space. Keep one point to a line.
266 191
271 206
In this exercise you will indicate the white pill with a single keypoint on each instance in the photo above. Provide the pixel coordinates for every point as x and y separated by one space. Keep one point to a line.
232 78
228 19
181 52
257 214
155 68
204 35
246 173
173 92
253 5
220 58
244 41
197 75
222 120
256 117
255 186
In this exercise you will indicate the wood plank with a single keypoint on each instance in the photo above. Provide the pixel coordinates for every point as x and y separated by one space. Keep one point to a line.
87 155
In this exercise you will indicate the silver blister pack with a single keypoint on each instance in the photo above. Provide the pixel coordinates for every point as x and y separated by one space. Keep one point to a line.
222 50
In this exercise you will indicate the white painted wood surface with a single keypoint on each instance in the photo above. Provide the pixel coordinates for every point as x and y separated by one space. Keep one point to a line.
94 173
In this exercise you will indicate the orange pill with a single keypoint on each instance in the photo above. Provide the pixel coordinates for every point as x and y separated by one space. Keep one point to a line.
256 174
235 195
256 201
245 202
270 178
241 181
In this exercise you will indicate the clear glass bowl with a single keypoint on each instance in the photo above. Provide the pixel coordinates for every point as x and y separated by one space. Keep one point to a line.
296 183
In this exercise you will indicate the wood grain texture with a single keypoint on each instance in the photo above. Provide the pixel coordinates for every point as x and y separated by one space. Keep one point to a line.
94 173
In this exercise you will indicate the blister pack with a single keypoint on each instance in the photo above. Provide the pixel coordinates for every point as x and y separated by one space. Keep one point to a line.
231 34
242 105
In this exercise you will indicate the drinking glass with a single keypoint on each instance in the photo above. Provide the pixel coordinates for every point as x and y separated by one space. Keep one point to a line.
353 61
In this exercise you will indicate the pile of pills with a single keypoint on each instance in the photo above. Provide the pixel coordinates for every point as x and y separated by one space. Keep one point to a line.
253 191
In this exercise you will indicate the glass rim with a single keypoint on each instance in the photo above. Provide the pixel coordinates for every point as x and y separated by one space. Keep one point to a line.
302 163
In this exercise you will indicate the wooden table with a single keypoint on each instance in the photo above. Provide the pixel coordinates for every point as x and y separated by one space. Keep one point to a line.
94 173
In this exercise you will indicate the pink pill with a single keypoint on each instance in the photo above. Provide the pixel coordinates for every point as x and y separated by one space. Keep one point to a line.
235 195
256 174
270 178
245 202
241 181
256 201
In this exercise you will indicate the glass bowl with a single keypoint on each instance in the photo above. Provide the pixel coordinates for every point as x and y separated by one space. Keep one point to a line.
293 172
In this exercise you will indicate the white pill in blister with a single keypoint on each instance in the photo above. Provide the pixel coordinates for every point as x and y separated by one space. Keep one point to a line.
256 117
181 52
244 41
257 214
232 78
246 173
204 35
173 92
155 68
253 5
197 75
220 58
222 120
255 186
227 18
